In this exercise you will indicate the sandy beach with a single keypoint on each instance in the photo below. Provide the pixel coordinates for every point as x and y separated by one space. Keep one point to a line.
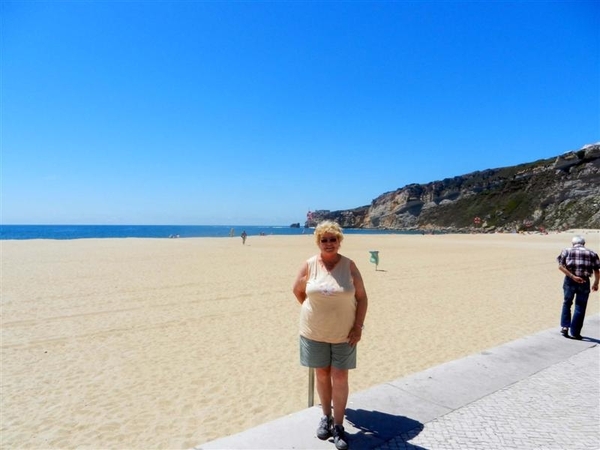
169 343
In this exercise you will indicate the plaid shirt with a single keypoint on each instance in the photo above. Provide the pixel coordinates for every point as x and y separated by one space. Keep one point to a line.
580 261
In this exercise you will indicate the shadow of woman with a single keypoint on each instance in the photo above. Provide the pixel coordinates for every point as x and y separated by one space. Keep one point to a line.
378 427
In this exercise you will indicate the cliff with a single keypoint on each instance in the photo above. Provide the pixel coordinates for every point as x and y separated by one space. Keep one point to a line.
551 194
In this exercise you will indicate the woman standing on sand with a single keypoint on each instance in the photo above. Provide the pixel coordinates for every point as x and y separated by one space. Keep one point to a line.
334 305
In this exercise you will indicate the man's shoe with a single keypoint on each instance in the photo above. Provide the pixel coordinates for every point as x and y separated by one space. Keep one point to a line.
339 438
565 332
577 337
324 430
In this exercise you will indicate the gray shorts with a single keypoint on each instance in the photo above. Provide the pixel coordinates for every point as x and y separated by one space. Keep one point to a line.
321 354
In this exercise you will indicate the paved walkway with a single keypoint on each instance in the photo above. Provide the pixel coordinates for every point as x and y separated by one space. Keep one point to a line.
541 392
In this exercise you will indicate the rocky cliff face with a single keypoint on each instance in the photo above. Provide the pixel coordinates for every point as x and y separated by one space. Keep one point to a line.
552 194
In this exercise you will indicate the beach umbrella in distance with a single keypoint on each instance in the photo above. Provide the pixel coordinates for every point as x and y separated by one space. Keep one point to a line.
374 257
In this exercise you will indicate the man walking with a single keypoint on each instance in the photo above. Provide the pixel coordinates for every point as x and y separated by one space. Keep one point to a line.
577 263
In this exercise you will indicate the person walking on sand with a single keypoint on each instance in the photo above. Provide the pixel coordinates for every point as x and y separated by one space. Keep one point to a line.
334 303
577 263
244 236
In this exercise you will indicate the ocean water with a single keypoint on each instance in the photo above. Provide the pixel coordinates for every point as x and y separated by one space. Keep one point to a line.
20 232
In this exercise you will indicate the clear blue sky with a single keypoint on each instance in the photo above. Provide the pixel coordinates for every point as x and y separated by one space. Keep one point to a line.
141 112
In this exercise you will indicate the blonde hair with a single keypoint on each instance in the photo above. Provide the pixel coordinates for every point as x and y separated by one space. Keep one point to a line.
328 227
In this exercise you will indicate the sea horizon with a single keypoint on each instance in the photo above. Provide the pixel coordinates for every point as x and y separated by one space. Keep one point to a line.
78 231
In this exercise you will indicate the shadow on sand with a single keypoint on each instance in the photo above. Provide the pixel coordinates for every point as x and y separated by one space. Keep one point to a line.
378 427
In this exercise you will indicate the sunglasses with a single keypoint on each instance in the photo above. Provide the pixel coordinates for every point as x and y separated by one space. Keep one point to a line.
330 240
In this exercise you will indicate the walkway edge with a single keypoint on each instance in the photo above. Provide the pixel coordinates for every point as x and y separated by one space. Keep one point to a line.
410 402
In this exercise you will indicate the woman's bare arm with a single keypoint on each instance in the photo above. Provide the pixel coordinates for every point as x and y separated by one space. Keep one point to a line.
299 288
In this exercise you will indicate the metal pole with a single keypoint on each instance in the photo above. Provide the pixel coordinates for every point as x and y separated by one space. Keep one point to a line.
311 387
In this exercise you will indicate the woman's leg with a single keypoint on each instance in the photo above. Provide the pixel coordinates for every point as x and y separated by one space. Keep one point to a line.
324 388
340 390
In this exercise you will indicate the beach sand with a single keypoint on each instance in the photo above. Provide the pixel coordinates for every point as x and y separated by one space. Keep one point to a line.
169 343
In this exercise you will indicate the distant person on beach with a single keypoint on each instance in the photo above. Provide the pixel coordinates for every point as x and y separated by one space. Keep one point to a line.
577 263
334 303
244 236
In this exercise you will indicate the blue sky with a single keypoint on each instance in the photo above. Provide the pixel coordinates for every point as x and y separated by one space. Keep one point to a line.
232 113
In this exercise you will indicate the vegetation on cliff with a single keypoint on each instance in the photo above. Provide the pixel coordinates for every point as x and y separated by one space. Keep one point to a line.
550 194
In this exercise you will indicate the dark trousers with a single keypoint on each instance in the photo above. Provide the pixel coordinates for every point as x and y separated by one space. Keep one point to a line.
578 292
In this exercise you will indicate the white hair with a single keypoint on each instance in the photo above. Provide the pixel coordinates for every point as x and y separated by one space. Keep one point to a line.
578 240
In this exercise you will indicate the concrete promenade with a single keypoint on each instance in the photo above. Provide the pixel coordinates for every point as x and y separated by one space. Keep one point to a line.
541 392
